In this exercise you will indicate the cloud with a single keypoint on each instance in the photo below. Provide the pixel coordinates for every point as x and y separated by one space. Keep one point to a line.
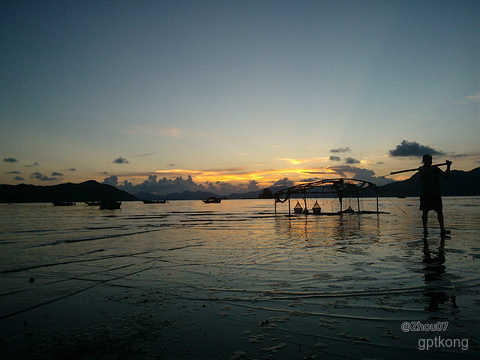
226 188
301 161
160 187
171 165
407 148
72 169
464 155
350 160
18 178
57 174
335 158
13 172
143 155
340 150
233 180
112 180
10 160
120 160
359 173
475 97
32 165
294 161
41 177
164 186
319 172
307 180
352 171
285 182
167 131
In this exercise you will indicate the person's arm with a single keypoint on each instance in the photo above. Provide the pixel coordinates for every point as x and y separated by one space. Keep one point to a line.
447 172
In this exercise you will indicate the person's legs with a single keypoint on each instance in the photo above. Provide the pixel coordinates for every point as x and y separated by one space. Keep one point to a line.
425 220
441 222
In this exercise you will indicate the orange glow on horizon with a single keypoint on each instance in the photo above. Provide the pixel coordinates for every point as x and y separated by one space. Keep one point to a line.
266 177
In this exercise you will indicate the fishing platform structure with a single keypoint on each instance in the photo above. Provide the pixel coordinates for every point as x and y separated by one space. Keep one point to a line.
343 188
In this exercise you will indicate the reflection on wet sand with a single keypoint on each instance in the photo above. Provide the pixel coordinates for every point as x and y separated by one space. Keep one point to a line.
440 290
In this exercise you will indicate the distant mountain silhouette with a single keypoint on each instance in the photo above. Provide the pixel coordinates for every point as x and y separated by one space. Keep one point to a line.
189 195
87 191
459 183
246 195
145 195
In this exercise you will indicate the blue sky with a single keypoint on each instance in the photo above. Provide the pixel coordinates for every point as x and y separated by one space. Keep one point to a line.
235 94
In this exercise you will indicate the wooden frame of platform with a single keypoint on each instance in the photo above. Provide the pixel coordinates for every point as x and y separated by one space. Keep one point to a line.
339 187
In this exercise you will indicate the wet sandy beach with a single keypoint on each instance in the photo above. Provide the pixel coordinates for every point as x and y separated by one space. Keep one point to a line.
186 280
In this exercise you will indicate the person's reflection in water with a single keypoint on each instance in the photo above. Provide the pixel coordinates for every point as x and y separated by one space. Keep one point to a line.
434 271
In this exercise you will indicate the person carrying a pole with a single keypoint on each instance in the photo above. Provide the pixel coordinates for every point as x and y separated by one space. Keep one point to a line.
430 198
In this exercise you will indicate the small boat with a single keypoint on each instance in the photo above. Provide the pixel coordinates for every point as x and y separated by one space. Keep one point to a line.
63 203
110 205
154 201
212 200
92 203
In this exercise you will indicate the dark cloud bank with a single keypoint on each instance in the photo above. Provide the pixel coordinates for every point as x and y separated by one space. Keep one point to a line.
42 177
413 149
166 186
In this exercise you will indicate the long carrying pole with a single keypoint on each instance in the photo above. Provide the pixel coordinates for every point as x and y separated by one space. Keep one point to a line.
416 169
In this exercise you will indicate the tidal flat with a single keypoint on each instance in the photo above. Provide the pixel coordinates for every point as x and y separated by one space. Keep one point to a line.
187 280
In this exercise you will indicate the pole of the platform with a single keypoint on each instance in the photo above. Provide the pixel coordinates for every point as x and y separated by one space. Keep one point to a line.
305 198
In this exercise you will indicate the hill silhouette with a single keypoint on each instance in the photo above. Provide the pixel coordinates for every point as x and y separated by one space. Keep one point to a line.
459 183
87 191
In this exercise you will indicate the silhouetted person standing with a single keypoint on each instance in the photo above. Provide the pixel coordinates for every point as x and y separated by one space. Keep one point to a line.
431 198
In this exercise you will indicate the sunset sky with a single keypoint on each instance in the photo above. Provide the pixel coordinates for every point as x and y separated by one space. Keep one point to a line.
235 95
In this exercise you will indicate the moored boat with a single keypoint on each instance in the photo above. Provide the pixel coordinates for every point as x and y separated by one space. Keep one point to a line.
110 205
212 200
154 201
92 203
63 203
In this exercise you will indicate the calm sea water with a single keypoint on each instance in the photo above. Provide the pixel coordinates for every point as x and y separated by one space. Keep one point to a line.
370 267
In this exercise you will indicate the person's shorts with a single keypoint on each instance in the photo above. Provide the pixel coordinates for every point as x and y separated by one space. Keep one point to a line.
431 203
